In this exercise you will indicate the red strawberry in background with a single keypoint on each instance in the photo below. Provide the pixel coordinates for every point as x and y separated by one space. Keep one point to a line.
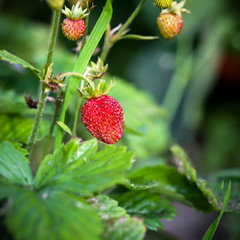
73 27
103 117
170 21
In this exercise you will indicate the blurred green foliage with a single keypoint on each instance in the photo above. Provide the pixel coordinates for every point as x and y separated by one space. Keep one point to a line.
194 60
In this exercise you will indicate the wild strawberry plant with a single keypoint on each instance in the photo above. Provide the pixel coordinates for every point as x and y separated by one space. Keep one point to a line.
97 188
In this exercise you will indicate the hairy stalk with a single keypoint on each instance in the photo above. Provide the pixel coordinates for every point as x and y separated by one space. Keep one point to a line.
76 117
35 128
110 40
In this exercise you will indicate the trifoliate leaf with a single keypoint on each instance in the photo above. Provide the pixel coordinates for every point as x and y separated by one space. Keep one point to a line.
14 166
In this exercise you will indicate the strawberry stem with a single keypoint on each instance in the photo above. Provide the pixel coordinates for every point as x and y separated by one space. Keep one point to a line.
111 39
57 108
78 75
37 120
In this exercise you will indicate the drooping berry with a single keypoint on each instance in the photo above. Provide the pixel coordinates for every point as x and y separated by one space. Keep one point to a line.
170 21
169 25
103 118
163 3
73 29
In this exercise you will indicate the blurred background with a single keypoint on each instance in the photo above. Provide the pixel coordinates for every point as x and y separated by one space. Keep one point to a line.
183 91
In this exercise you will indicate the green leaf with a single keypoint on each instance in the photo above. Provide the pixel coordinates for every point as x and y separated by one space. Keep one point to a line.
107 168
52 216
64 127
14 167
65 159
212 229
117 223
106 207
126 228
185 167
147 205
8 190
160 179
4 55
83 60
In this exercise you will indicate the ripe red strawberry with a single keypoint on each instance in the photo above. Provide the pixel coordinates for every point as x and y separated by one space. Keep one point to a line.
169 21
169 25
163 3
103 117
73 29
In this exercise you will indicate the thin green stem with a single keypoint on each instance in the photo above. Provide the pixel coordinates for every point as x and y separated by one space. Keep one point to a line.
78 75
55 25
36 123
57 108
110 40
76 117
131 18
35 128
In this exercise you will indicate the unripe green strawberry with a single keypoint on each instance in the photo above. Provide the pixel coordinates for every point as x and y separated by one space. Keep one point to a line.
169 24
163 3
103 118
73 29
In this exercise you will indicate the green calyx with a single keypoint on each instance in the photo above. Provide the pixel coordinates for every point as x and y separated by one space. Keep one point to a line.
98 86
96 70
176 8
76 12
96 91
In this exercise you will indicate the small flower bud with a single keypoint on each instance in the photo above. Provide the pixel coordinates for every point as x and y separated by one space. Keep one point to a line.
55 4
